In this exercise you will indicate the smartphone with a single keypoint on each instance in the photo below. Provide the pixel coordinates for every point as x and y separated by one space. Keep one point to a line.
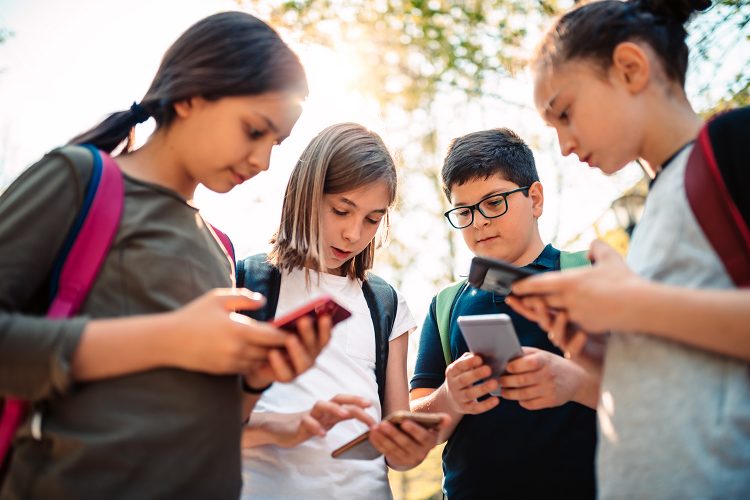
495 275
324 305
493 337
360 447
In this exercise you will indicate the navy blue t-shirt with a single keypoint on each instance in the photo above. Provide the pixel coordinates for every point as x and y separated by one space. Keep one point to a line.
508 451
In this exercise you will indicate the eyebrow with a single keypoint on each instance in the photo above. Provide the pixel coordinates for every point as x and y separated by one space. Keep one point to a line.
494 191
349 202
550 104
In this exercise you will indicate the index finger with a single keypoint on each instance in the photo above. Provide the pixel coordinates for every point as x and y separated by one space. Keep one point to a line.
540 284
257 332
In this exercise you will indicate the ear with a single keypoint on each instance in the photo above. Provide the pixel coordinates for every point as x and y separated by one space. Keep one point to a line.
631 65
184 108
536 194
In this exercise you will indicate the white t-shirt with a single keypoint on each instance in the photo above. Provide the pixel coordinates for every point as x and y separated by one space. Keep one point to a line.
346 366
674 419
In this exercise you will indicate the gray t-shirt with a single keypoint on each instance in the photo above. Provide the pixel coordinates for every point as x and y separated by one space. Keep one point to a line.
674 420
164 433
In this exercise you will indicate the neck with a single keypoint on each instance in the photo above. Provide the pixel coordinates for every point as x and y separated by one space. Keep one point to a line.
671 125
156 162
532 251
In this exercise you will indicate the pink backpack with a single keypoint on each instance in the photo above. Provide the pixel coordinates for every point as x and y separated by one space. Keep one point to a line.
79 261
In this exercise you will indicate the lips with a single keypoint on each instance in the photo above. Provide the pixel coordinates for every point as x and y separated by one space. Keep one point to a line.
487 239
341 254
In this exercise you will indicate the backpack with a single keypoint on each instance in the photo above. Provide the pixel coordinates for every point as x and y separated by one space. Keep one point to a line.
258 275
446 299
80 259
717 185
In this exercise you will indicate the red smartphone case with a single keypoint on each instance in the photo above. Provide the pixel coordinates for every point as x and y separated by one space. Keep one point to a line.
321 306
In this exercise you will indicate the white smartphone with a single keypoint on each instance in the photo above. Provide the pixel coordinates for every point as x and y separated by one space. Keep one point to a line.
493 337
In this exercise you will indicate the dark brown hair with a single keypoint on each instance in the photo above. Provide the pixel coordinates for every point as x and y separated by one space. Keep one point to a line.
341 158
226 54
482 154
593 30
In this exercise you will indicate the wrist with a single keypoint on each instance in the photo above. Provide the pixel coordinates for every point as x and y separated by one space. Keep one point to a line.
255 387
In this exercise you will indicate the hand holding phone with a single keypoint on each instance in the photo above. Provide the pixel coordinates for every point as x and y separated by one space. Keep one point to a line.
495 275
360 447
324 305
493 337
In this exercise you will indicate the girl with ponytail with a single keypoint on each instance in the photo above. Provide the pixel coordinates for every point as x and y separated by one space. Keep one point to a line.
668 330
140 396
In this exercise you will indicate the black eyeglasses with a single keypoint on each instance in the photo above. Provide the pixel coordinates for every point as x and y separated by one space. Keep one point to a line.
491 207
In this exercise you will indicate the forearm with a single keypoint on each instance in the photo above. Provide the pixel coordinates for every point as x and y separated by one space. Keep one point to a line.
275 429
438 401
115 347
714 320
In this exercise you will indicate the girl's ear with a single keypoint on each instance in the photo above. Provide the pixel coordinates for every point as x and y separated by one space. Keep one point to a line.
186 106
631 65
536 194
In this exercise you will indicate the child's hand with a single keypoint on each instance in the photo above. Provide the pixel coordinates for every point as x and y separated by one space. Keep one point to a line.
591 298
206 334
405 446
283 365
460 377
541 379
323 416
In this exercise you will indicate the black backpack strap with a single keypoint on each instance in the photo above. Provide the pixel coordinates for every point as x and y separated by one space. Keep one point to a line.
382 301
257 274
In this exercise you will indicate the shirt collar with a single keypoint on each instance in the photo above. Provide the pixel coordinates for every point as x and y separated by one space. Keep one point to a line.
549 259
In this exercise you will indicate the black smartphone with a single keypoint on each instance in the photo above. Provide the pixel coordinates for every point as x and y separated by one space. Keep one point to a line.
495 275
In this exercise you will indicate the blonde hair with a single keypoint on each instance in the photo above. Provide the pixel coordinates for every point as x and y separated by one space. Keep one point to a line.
341 158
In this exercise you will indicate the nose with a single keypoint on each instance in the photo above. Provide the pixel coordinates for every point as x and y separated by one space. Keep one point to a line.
352 231
479 219
260 156
567 142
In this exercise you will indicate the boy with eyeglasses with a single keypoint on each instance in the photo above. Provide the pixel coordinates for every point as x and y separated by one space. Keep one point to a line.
539 440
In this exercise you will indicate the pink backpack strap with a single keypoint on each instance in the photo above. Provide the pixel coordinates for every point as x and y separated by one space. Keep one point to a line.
79 270
716 212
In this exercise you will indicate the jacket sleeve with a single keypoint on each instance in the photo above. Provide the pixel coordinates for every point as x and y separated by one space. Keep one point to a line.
36 213
429 369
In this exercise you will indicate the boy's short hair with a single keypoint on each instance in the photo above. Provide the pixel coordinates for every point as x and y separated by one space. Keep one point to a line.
480 155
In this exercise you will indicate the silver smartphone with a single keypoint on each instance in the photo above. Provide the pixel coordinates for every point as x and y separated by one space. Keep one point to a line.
493 337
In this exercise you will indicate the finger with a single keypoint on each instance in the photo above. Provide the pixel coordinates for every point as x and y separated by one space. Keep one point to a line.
523 393
415 432
602 253
532 361
576 344
298 356
477 391
358 413
323 409
468 379
350 399
312 426
520 306
257 332
477 407
557 334
238 299
307 334
282 371
325 326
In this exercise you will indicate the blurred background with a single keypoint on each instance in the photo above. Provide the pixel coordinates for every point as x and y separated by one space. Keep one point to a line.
417 72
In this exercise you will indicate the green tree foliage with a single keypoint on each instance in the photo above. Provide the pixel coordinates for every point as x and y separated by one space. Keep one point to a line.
414 48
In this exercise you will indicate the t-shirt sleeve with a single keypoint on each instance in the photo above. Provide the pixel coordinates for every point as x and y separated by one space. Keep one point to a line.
404 322
429 369
36 212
